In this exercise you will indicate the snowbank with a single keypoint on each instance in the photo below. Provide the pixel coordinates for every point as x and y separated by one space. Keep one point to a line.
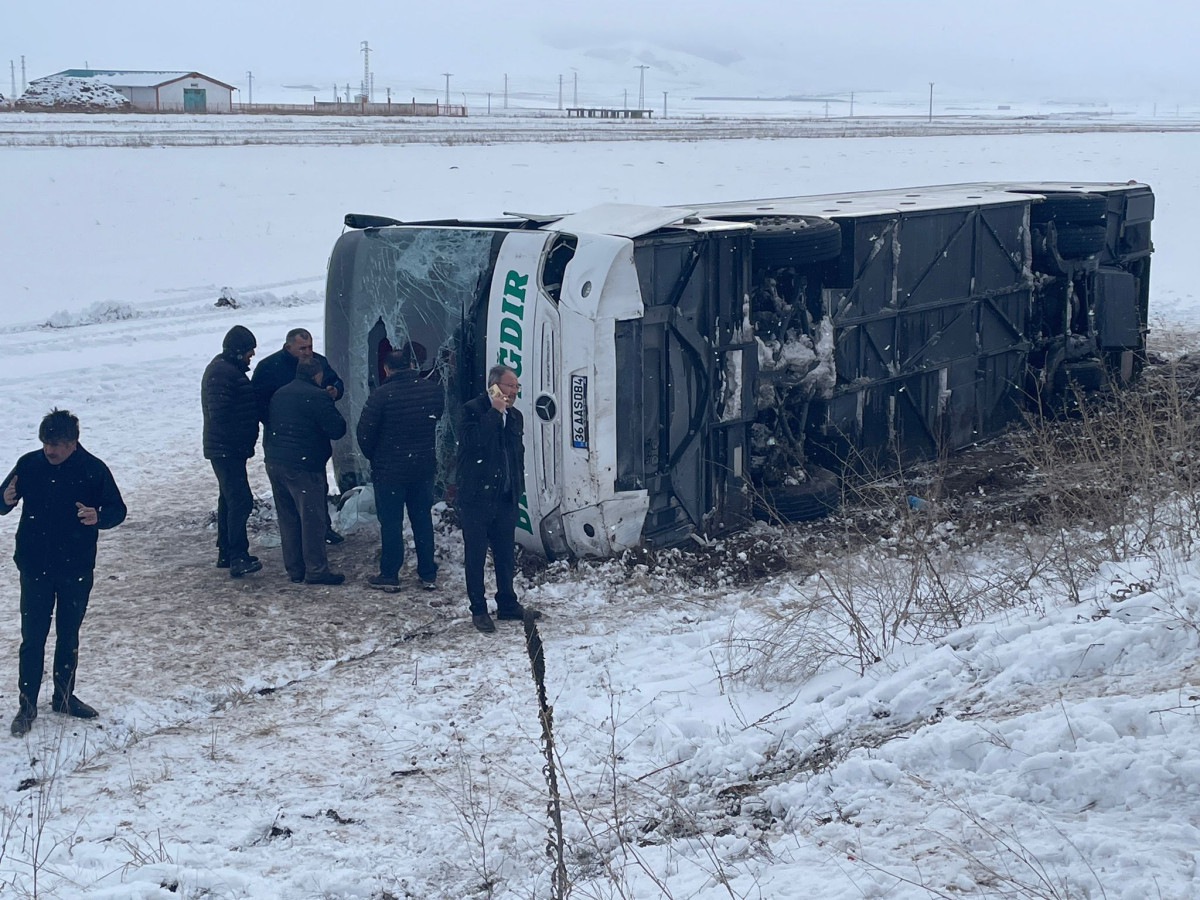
112 311
62 92
101 311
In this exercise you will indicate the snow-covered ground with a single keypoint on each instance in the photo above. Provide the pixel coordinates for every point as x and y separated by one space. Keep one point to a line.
260 739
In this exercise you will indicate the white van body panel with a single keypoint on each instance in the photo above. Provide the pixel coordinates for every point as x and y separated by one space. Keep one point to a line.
621 219
570 417
518 314
600 287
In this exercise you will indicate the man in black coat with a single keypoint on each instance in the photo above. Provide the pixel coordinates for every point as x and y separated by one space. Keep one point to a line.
68 495
297 447
230 433
278 369
491 480
397 432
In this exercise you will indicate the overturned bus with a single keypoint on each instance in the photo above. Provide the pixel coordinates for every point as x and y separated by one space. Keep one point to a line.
685 367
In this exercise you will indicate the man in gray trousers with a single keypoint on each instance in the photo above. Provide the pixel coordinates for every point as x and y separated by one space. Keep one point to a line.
303 422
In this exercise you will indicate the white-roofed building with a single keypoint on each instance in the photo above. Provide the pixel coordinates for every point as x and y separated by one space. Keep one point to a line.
163 91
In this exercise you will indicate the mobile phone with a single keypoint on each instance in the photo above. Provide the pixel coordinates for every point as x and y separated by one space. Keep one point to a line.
495 391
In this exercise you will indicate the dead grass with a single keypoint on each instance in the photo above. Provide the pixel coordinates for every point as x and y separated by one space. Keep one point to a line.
1098 479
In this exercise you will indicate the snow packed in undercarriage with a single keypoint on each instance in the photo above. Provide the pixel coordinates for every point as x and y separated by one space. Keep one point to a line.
398 287
796 366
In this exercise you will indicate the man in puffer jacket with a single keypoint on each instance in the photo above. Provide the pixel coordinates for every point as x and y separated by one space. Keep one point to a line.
278 369
230 433
397 432
297 447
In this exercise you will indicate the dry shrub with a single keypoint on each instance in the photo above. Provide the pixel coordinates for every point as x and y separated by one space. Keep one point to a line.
1093 479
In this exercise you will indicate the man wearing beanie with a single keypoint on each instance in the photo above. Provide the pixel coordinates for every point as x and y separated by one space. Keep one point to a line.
230 433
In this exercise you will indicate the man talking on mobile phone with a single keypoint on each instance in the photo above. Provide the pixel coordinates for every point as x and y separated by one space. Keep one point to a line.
491 480
68 496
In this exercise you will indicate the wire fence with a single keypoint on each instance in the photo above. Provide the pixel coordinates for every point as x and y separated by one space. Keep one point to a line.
351 108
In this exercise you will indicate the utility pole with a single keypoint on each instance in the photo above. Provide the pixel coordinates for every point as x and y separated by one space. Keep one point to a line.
366 84
931 101
12 71
506 90
560 92
852 104
664 104
625 99
489 93
250 88
24 86
642 87
575 95
447 74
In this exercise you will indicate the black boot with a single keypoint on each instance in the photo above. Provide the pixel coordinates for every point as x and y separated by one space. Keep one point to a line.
515 612
73 706
22 722
244 566
327 578
223 560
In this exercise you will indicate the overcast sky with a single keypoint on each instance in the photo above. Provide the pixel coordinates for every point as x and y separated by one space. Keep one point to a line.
1019 49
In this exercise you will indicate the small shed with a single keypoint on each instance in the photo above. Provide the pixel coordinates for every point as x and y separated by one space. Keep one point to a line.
163 91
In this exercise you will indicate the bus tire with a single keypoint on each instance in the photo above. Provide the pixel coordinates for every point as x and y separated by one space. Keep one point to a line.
814 499
1084 374
794 241
1070 209
1081 241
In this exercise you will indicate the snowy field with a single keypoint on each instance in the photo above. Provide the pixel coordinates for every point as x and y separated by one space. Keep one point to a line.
40 129
260 739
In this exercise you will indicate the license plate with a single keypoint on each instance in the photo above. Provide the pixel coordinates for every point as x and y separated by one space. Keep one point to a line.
579 411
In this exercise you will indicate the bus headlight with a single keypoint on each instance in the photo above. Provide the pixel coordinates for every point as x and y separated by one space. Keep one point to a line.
554 537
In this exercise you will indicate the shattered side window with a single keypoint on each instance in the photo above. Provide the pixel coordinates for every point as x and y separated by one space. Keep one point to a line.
420 286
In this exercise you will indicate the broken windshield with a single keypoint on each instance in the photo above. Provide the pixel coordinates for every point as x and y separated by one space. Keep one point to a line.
421 287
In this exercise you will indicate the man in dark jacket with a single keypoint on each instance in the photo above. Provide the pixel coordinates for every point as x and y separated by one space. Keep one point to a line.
278 369
68 495
397 433
491 480
230 433
297 447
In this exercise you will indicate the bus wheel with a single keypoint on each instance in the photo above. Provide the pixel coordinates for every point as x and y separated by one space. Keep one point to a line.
1070 209
790 241
815 498
1080 241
